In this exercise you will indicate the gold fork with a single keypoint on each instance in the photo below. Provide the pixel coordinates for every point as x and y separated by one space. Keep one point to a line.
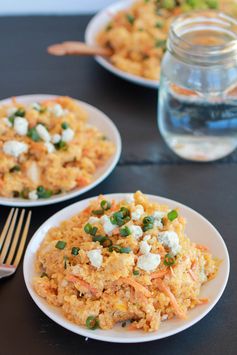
12 241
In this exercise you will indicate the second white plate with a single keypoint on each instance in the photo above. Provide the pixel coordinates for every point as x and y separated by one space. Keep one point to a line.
96 118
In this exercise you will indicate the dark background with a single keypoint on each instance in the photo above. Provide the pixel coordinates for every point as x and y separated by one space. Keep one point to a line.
145 164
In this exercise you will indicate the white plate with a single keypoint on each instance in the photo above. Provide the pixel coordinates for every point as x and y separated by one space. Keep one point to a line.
97 24
98 119
198 230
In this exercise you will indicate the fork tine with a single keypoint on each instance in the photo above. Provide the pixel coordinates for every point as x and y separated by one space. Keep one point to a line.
22 242
6 226
8 237
15 239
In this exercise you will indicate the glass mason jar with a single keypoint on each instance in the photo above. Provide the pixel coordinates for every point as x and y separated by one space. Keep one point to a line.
198 88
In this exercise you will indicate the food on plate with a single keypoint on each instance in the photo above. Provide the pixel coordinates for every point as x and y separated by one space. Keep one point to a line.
137 35
48 148
123 261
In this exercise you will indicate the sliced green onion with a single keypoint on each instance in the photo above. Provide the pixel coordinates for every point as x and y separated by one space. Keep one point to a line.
130 18
93 231
99 238
60 244
124 232
43 193
98 212
169 260
105 205
65 125
148 220
75 251
15 168
44 274
33 134
135 272
172 215
120 217
61 145
125 250
160 43
88 228
92 323
168 4
159 24
147 227
125 211
24 193
20 112
65 258
116 248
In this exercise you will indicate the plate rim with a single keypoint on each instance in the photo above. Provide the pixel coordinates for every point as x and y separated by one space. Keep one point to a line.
89 39
87 333
74 193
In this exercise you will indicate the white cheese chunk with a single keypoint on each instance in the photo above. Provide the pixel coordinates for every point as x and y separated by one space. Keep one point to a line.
58 111
107 225
159 214
93 220
67 135
129 198
137 213
33 172
20 125
43 133
170 239
164 317
144 247
50 147
15 148
56 138
33 195
95 257
148 262
136 231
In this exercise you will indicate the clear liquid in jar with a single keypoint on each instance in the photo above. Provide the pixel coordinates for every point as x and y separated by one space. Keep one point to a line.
195 126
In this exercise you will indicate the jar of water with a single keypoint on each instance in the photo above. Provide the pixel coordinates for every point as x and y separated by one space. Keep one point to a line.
198 87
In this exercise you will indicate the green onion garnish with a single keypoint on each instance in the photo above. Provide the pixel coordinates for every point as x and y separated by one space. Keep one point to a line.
169 260
124 232
33 134
60 244
172 215
65 258
61 145
105 205
15 168
119 249
93 231
99 238
159 24
44 274
135 272
92 323
130 18
121 217
75 251
148 220
88 228
106 242
65 125
43 193
160 43
98 212
168 4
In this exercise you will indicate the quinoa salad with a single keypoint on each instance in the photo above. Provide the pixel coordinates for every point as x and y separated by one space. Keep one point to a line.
48 148
126 261
137 35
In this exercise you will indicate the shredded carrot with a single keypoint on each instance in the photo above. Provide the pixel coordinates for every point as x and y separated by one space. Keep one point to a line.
77 281
159 274
138 287
202 247
192 274
166 290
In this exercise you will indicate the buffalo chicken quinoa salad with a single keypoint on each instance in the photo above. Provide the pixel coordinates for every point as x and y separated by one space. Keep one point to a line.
47 148
128 261
137 35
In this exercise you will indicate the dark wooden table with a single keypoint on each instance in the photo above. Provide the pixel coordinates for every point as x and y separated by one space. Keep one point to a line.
146 164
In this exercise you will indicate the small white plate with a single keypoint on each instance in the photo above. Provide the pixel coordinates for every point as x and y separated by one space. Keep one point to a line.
97 24
96 118
198 230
